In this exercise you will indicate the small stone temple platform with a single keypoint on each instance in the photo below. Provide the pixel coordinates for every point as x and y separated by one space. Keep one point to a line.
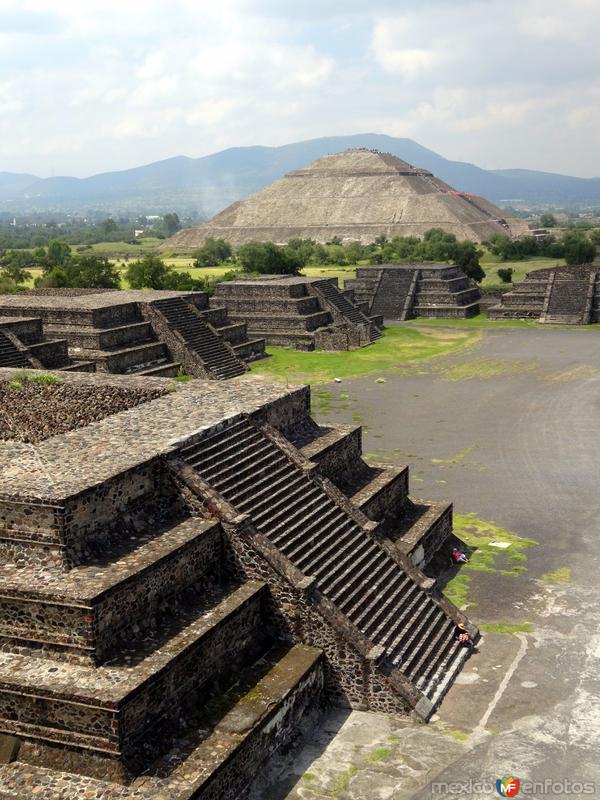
305 313
404 291
561 295
188 573
151 333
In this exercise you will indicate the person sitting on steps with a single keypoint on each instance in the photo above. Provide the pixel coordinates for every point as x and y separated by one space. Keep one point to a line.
458 557
462 637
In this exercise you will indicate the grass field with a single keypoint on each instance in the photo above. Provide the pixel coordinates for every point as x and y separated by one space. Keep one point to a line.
489 262
397 349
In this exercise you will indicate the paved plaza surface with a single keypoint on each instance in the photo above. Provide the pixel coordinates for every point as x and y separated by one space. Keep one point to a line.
509 430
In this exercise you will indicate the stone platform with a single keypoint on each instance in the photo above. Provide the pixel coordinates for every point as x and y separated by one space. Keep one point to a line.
185 577
563 295
404 291
305 313
135 332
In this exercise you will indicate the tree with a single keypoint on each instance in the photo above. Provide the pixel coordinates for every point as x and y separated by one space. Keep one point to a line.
212 253
467 258
152 273
57 254
548 221
579 249
172 223
92 272
148 273
109 226
267 258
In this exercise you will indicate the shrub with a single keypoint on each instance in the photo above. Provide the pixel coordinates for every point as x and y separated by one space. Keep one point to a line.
505 274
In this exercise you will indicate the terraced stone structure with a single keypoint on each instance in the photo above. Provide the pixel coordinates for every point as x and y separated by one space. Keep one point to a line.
186 579
305 313
356 195
562 295
404 291
130 332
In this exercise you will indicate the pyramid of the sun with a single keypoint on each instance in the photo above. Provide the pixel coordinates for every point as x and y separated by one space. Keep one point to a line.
355 195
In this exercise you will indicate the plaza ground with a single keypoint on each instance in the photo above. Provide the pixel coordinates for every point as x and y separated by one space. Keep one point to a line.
507 427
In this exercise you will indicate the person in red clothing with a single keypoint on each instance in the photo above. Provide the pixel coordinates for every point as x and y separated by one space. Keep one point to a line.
458 557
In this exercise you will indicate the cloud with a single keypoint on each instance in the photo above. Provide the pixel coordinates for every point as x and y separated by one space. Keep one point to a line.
113 84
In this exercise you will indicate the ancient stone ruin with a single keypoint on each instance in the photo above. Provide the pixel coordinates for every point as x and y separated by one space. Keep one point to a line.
188 576
154 333
356 195
404 291
305 313
560 295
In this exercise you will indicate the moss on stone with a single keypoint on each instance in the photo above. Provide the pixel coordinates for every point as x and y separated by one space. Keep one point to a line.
560 575
506 627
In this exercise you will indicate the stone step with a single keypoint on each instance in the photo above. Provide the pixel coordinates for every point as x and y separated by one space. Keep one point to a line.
52 353
234 333
301 549
392 582
89 612
109 709
301 503
323 540
278 323
79 366
251 349
168 370
128 359
422 529
275 693
300 340
11 356
335 448
441 312
199 337
90 338
384 493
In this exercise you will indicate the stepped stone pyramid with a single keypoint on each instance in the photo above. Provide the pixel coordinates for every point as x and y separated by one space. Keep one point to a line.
186 580
404 291
131 332
356 195
305 313
563 295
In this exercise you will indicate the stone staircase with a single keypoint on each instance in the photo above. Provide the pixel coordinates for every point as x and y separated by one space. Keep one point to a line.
567 295
218 358
300 312
393 296
570 301
25 336
324 541
342 306
398 291
10 355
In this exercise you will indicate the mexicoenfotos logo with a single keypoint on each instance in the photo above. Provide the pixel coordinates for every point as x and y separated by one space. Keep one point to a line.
508 787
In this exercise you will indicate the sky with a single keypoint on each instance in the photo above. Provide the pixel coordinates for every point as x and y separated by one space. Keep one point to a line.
92 86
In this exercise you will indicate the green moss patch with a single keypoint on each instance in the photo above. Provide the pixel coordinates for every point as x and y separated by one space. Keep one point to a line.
378 754
504 627
560 575
495 550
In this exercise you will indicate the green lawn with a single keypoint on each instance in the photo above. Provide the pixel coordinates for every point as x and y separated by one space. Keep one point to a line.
491 264
398 348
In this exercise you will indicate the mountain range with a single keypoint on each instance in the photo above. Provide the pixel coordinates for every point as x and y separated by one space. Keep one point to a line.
211 183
